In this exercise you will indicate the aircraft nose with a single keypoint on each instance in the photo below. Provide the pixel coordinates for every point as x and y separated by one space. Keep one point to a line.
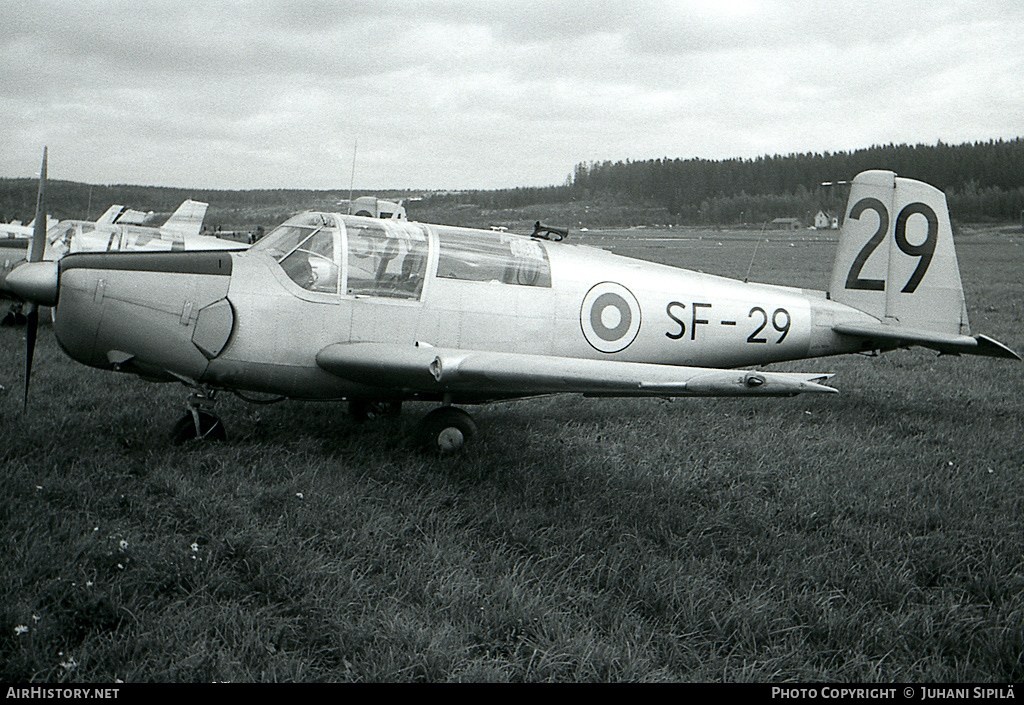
35 282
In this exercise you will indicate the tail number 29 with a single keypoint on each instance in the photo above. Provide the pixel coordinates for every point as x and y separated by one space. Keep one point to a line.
923 252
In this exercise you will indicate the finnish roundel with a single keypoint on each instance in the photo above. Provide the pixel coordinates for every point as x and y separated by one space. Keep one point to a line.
610 317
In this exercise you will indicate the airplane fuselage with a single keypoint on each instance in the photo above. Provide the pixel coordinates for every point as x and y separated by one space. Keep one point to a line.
247 321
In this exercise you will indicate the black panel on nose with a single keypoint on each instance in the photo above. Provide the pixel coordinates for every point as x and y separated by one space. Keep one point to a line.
195 262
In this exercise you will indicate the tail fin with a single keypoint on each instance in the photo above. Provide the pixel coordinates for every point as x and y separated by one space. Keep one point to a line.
895 259
896 262
110 216
187 220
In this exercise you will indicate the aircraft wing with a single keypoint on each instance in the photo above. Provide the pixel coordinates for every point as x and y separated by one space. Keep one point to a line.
475 374
187 220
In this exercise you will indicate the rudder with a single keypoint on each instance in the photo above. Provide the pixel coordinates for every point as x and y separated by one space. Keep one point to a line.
896 259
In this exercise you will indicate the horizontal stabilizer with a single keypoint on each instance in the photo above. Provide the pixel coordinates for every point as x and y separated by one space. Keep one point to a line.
950 343
497 374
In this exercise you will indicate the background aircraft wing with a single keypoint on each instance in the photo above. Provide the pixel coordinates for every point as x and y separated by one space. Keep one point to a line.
470 373
187 220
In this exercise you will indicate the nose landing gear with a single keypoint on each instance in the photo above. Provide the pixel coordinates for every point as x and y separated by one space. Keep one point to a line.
199 422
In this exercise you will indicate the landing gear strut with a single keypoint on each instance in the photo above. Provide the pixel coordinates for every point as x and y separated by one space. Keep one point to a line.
445 430
199 422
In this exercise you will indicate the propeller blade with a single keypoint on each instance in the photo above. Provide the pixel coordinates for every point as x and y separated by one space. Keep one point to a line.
31 326
35 254
37 246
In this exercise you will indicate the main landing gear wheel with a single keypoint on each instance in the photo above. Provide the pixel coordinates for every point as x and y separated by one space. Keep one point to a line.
202 425
370 409
445 430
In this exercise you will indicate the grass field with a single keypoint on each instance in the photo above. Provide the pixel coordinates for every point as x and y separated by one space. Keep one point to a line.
869 536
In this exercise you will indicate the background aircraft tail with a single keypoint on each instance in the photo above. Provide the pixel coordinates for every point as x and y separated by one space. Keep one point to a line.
895 259
187 220
110 216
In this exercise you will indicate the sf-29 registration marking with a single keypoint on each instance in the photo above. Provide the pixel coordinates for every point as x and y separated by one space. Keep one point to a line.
763 327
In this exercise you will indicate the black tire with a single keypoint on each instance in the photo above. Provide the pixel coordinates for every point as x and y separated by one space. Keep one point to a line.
210 429
445 430
14 318
370 409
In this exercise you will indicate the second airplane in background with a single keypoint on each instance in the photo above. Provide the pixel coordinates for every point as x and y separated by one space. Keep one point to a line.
117 230
111 233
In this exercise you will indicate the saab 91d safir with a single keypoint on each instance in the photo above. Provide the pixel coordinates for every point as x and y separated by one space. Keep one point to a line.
377 312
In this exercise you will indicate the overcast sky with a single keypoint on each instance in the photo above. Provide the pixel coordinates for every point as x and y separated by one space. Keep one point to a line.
486 94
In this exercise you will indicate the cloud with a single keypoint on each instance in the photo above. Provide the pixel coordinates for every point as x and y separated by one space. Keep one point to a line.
485 94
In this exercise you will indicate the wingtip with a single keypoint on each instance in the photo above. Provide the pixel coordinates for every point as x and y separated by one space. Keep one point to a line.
819 388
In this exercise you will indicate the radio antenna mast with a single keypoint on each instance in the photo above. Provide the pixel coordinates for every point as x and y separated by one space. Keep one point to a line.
751 265
352 183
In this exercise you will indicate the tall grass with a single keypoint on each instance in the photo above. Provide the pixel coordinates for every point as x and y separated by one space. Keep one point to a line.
869 536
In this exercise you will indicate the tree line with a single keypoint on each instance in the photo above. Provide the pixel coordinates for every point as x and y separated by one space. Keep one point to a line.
982 180
69 199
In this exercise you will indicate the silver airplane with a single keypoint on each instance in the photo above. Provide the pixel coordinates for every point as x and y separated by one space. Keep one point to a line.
23 233
377 312
119 228
118 231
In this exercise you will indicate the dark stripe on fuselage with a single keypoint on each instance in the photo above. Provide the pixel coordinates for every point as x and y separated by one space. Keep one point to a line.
197 262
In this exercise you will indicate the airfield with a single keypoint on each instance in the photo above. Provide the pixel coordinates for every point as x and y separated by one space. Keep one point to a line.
870 536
